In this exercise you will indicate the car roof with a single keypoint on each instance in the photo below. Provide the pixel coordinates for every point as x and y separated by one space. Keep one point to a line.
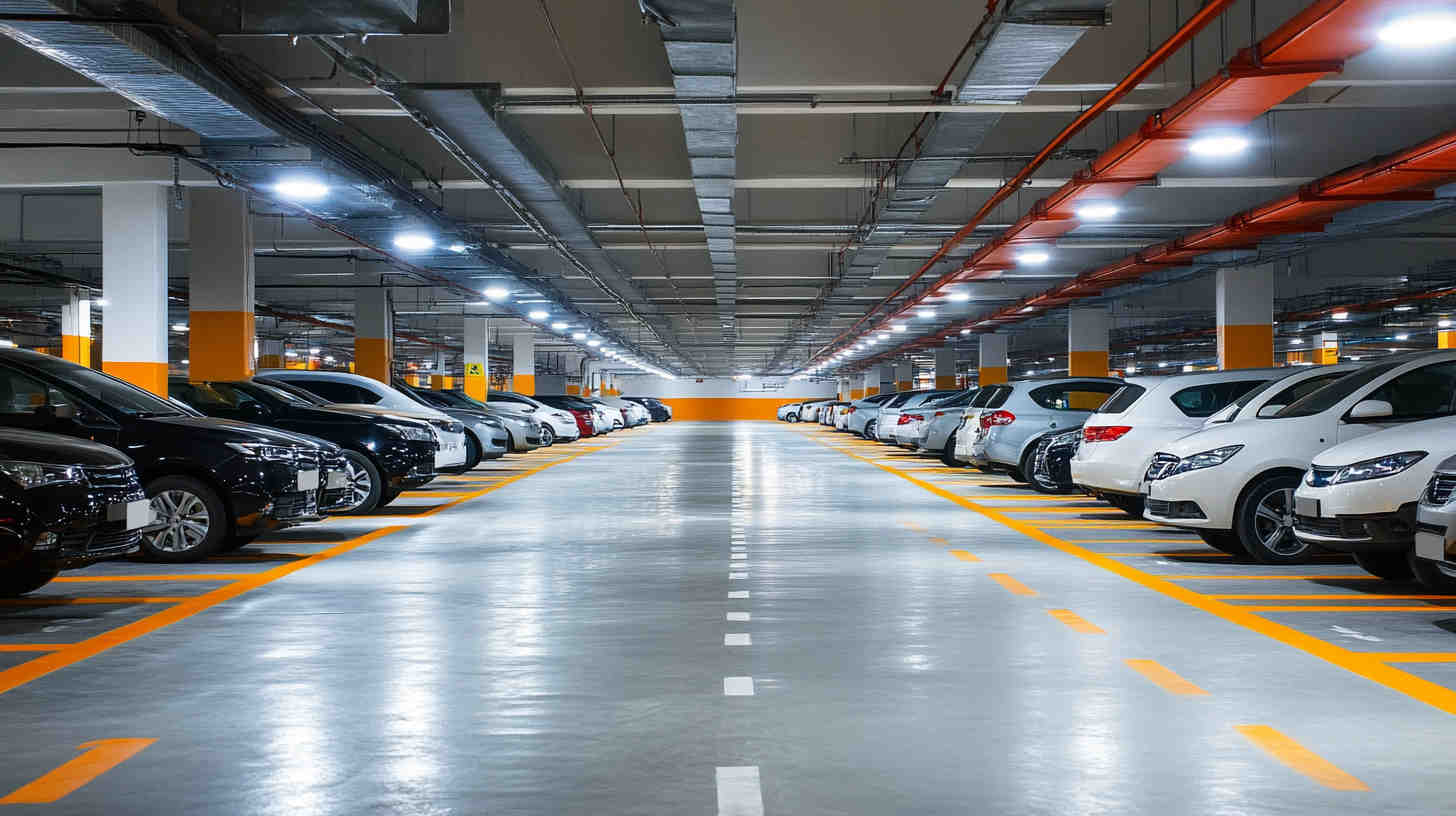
1054 380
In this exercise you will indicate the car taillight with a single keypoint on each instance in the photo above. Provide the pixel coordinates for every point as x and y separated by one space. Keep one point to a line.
849 410
906 419
940 413
1104 433
997 418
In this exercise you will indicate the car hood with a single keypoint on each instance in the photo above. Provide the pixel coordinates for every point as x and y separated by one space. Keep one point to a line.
423 415
55 449
1437 437
1218 436
228 430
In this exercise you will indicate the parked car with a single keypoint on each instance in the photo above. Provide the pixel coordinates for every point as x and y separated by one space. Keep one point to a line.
1051 463
344 390
1434 564
1120 438
1360 496
830 410
608 416
582 411
66 503
889 418
557 424
385 455
864 411
786 409
1006 436
633 414
1231 481
935 433
659 410
912 421
211 482
990 398
522 432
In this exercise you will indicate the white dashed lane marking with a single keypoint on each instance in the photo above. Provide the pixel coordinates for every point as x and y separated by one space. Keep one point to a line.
738 594
739 616
739 793
738 686
738 639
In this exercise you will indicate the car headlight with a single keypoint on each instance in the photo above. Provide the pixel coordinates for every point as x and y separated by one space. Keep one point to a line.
1207 459
414 433
259 450
1377 468
35 474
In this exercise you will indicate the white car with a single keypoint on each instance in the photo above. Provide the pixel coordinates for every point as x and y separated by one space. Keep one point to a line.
559 425
1120 438
636 414
1231 480
1435 562
963 438
1005 437
353 390
864 411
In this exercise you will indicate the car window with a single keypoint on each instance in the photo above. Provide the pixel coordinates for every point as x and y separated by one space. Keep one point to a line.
1205 400
1299 390
104 388
983 396
1330 396
301 395
21 396
281 394
1073 396
338 391
998 399
1428 391
1122 399
959 400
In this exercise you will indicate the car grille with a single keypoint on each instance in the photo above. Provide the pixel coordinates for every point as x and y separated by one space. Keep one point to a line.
1318 526
1161 466
122 477
1320 476
109 539
295 505
1440 488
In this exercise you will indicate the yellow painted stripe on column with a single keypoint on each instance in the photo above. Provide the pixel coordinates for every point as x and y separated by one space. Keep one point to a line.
1299 758
1087 363
1446 339
1169 680
525 384
871 390
1292 357
856 393
151 376
371 358
1328 355
993 375
476 386
945 381
270 361
76 348
100 757
573 390
1245 346
1012 585
442 382
219 345
904 385
1076 622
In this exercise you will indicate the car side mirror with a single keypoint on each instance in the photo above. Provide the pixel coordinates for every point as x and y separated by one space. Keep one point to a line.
1371 409
56 413
254 411
1269 410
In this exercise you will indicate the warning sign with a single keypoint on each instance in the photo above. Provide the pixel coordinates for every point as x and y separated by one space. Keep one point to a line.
477 369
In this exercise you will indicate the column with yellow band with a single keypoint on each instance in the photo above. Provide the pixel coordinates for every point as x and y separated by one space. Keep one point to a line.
992 361
270 354
134 281
872 381
373 334
76 328
1245 317
219 285
1328 352
904 376
1087 331
945 367
477 357
523 363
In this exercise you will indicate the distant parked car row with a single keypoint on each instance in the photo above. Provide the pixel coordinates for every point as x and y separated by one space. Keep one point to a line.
1275 464
94 467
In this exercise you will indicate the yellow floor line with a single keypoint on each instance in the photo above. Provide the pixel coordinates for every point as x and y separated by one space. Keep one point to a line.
1188 540
1352 577
1012 585
1076 622
32 647
1412 657
1334 596
1164 677
181 576
964 555
1373 608
1166 554
1096 511
1299 758
941 541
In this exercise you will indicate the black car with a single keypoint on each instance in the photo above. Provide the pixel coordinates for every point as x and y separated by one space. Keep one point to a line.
655 408
64 503
385 455
212 483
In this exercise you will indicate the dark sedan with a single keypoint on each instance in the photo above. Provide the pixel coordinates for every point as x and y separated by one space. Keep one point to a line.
385 455
64 503
655 408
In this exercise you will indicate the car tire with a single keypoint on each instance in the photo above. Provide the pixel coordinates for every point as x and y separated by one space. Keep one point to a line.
365 481
548 436
1397 567
1263 521
389 495
1131 505
869 429
237 542
510 442
21 580
1224 541
947 456
473 452
791 418
1429 574
192 521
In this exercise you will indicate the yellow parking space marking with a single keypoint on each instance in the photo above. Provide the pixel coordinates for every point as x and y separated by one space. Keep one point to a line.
1096 511
1411 657
1100 524
1334 596
1299 758
1038 497
100 756
1188 540
1011 585
32 647
1165 678
941 541
912 526
1076 622
1170 554
434 494
1373 608
62 600
964 555
181 576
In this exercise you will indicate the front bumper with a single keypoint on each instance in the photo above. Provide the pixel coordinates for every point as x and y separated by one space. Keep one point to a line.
1436 532
84 523
1213 496
1373 532
271 495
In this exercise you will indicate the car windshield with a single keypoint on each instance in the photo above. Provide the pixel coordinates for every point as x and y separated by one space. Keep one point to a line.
280 394
299 395
104 388
1335 393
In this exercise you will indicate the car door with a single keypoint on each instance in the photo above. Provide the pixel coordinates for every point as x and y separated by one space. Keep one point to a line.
27 402
1427 392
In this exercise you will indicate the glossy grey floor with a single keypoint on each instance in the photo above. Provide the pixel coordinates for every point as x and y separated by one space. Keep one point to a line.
558 647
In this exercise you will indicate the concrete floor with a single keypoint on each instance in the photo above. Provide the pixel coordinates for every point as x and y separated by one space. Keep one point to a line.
573 631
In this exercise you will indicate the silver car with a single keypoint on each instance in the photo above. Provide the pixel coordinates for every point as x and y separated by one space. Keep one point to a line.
891 411
557 425
936 432
864 411
914 419
1008 428
522 433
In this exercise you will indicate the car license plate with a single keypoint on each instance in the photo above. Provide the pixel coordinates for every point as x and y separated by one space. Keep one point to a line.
336 479
138 513
450 453
308 480
1430 545
1305 506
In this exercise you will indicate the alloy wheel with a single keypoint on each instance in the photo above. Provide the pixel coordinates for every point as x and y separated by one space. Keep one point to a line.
1274 522
182 521
360 485
547 437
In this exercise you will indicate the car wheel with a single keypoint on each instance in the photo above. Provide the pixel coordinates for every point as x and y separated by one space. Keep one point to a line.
190 520
1432 575
473 453
869 429
236 542
365 483
947 456
389 495
1264 522
547 436
792 418
1131 505
21 580
1390 566
510 442
1224 541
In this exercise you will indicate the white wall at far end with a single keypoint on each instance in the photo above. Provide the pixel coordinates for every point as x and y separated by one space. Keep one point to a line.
648 385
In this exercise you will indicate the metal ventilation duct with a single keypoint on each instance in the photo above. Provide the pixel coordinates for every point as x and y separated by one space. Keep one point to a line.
132 64
701 41
325 17
1023 44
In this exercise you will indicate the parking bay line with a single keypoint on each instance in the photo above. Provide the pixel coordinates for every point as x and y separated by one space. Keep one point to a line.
964 555
1165 678
1331 596
1299 758
1371 608
1411 657
100 756
1076 622
33 647
1428 692
1011 585
201 576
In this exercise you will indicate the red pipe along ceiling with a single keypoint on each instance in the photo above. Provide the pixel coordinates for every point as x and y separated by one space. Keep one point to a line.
1310 45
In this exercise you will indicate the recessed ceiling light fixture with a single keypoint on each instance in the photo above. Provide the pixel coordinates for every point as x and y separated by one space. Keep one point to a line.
458 247
1217 145
960 297
414 241
1340 315
538 314
1405 308
1100 211
1420 30
1027 309
899 327
965 331
1444 324
1402 336
578 335
301 189
497 293
1033 257
593 343
558 325
925 313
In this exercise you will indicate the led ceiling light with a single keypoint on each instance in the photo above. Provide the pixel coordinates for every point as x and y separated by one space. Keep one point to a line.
593 343
1340 315
538 314
558 325
1420 30
314 350
179 327
965 331
899 327
1034 257
414 241
578 335
1215 145
1297 341
1444 324
301 189
925 313
960 297
458 248
883 336
1097 212
497 293
1405 308
1027 309
1402 336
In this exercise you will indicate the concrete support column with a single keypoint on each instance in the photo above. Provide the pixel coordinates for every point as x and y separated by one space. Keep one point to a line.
904 375
477 357
76 328
1087 330
134 282
523 364
1245 317
220 285
993 359
270 354
1328 352
945 367
872 381
373 334
847 384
